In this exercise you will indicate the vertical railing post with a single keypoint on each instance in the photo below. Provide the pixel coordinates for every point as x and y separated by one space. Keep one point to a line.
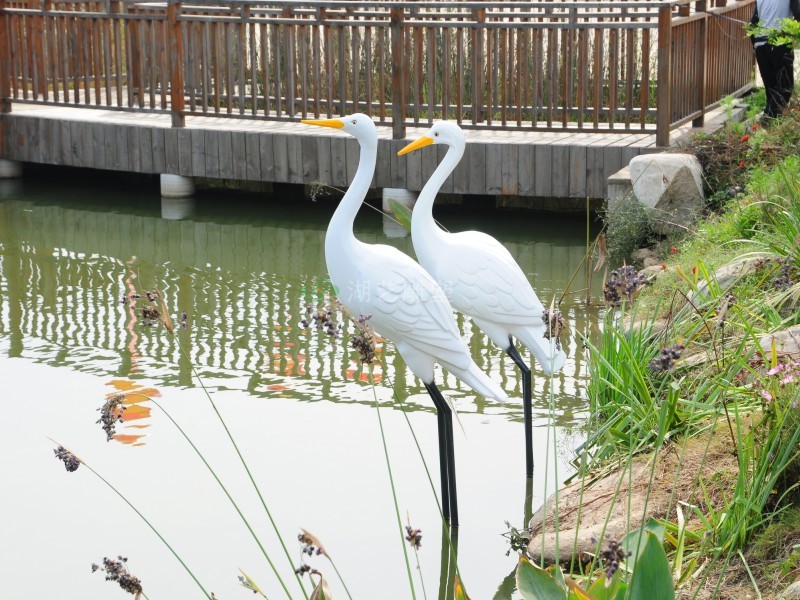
477 67
702 56
664 98
176 64
5 64
398 76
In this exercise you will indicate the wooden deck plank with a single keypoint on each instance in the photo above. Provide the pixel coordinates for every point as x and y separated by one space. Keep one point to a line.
397 164
123 160
266 156
338 162
295 155
66 143
477 172
577 171
134 149
159 151
526 167
110 147
253 152
212 154
98 145
509 168
225 154
198 150
543 171
171 157
280 153
238 155
185 152
310 163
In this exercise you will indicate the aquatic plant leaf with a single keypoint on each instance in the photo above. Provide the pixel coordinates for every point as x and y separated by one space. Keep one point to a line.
322 591
401 213
631 544
616 589
460 592
557 574
576 592
652 578
534 583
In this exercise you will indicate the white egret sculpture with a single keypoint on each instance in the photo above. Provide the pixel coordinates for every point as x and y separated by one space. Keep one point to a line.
482 279
407 305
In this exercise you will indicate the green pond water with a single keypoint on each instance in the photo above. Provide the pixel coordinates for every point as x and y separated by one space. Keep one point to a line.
244 268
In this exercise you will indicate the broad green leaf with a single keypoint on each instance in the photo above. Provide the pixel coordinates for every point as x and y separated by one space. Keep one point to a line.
630 543
537 584
461 593
557 575
651 579
576 592
600 591
401 213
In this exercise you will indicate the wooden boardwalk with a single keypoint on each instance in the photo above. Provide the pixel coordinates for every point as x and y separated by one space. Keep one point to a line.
496 163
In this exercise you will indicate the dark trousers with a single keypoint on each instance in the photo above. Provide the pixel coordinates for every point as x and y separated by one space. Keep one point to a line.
776 64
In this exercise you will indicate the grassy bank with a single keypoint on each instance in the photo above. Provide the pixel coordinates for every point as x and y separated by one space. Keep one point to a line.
700 356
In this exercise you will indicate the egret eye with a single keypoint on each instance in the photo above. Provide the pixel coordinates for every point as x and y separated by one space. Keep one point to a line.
436 134
354 121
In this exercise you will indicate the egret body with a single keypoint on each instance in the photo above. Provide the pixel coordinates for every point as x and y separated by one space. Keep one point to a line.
481 278
407 305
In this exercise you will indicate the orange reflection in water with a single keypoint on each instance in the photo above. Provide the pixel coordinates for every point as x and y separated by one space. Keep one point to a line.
136 410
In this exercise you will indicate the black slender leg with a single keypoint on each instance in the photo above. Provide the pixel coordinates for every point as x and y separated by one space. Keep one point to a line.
447 461
526 406
440 421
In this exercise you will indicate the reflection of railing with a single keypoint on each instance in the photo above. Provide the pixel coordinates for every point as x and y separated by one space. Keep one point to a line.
544 66
63 271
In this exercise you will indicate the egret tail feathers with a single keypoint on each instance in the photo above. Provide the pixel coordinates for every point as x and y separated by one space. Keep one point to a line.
479 381
550 358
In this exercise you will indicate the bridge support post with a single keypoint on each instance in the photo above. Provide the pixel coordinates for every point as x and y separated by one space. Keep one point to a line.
10 169
403 197
176 186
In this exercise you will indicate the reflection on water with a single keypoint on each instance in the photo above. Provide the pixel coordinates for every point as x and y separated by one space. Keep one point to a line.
244 279
244 271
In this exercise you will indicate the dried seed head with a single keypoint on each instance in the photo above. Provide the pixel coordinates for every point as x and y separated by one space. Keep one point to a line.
554 325
414 537
110 413
625 281
665 361
71 462
117 570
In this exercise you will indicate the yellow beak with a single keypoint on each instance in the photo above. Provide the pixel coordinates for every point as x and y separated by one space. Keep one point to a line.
416 145
335 123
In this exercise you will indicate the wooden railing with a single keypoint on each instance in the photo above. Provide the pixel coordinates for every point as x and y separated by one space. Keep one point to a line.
541 66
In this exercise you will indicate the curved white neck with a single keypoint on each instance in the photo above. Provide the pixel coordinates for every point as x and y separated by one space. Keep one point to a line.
424 231
340 229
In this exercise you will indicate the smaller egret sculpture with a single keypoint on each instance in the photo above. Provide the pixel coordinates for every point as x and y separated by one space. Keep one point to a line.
482 279
405 303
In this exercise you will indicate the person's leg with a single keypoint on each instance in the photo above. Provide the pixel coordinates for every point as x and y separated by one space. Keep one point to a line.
784 59
766 66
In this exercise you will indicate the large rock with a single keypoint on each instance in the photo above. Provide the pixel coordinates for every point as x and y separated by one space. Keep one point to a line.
787 343
671 186
791 593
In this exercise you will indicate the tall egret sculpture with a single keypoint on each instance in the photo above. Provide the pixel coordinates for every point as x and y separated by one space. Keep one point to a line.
407 305
482 279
